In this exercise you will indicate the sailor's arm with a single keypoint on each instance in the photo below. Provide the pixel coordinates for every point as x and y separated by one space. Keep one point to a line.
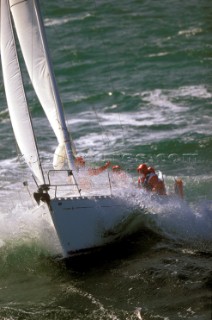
96 171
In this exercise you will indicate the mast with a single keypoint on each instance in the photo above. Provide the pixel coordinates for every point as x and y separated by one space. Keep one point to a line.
56 94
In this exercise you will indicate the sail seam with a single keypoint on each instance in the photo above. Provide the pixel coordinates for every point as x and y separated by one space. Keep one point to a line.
13 5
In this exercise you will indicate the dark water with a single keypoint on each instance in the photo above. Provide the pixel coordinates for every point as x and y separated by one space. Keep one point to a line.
135 79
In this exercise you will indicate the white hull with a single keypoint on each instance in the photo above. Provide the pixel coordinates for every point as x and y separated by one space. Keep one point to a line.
84 223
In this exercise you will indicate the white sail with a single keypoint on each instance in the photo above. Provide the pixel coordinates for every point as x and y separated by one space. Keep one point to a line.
27 28
15 94
0 27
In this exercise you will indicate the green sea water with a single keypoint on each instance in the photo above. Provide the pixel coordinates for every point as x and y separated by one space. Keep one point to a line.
135 80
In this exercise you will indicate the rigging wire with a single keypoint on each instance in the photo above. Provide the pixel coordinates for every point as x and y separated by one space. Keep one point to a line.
101 126
110 79
105 137
58 37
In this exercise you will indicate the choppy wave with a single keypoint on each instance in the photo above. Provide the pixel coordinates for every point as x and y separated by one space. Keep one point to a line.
169 216
21 223
135 81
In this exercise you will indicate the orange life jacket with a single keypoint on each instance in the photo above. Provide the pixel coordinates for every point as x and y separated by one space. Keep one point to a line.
153 183
178 188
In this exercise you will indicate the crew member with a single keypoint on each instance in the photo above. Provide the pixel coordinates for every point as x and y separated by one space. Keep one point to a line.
149 180
80 162
116 169
85 181
178 188
119 178
119 173
96 171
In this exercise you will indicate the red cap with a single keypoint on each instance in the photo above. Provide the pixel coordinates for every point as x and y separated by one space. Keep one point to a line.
80 161
116 168
142 168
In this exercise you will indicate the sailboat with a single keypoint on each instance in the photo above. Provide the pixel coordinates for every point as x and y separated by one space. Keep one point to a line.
83 220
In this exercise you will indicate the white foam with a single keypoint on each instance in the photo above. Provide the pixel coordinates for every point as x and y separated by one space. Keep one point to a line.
192 91
64 20
24 224
159 54
171 217
179 220
190 32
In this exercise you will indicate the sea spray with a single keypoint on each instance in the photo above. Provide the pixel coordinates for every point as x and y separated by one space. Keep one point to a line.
171 217
29 225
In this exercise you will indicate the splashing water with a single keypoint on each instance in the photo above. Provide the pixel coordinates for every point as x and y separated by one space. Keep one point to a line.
175 218
27 225
168 216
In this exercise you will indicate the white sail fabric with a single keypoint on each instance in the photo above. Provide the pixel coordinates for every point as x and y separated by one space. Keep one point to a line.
0 27
27 29
15 94
59 157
